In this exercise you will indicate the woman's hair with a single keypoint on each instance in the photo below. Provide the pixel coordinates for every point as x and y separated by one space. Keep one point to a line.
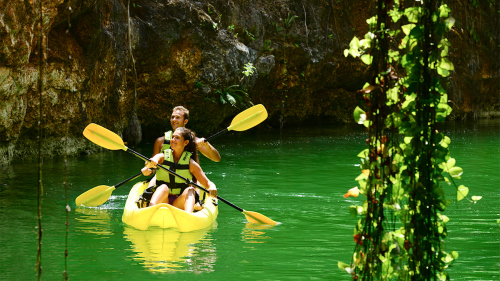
191 146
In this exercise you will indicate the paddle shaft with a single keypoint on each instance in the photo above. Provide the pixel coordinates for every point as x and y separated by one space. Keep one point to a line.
216 135
190 182
129 179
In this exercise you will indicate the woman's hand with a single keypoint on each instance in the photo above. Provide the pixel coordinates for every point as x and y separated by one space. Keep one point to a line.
146 171
149 167
212 189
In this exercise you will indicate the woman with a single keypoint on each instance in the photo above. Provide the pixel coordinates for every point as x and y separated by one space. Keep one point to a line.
182 158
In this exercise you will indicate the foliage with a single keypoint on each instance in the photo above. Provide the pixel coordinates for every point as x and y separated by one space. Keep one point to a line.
249 69
234 96
401 230
252 37
289 21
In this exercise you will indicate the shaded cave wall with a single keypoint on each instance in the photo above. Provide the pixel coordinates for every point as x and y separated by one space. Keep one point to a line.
190 53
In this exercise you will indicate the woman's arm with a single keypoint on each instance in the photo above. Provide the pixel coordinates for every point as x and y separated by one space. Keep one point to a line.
196 170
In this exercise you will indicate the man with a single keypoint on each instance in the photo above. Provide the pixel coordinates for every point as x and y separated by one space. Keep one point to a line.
179 118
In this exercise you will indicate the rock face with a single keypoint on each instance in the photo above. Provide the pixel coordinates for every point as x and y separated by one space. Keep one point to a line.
125 65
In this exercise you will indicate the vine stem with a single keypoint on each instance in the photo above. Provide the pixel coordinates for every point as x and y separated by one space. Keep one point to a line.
40 184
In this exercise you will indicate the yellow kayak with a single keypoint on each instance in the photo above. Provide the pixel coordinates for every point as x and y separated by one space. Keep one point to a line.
166 215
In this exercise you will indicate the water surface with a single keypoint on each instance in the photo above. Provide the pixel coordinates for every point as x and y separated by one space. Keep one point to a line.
297 177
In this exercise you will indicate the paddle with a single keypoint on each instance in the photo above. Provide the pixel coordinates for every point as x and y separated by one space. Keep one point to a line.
247 119
99 194
107 139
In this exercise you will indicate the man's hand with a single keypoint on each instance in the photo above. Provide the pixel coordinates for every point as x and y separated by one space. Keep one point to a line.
201 142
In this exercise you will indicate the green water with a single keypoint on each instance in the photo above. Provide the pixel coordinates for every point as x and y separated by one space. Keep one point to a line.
297 178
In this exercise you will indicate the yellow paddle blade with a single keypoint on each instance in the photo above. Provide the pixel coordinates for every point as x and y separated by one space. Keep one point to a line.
103 137
248 118
95 197
255 217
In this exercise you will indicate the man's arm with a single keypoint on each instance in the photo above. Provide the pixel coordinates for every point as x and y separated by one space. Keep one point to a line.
207 149
158 145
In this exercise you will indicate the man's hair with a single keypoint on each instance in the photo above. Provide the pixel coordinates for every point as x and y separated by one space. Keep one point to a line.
184 110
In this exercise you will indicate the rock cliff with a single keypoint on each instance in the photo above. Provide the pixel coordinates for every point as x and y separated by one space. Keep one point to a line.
125 64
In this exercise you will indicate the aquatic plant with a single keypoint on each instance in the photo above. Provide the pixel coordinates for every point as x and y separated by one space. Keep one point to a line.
401 230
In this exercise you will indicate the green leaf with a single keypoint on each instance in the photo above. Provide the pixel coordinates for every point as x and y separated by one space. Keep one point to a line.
454 254
353 210
359 115
462 192
361 177
456 172
367 59
346 52
230 99
444 218
363 154
345 266
444 10
354 47
395 14
451 162
407 28
416 33
444 52
476 198
443 72
413 14
372 21
446 64
449 22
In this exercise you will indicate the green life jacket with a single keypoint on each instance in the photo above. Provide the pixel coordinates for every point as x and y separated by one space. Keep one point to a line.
166 142
175 184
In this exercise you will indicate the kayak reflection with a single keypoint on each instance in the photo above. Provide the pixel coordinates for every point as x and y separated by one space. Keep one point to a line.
256 233
167 250
93 221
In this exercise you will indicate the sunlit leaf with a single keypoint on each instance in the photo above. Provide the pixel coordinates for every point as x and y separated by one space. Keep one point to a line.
456 172
446 64
443 72
449 22
353 192
372 21
361 177
354 44
451 162
454 254
407 28
345 266
444 52
363 153
444 10
395 15
359 115
476 198
444 218
346 52
462 192
413 14
367 59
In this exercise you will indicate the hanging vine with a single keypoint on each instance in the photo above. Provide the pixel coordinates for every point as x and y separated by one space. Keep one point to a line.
41 59
401 230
